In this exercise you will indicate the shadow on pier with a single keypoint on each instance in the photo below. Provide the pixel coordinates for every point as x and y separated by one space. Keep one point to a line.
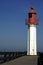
40 58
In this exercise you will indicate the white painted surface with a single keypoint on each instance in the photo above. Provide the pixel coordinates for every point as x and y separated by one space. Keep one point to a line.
32 41
28 44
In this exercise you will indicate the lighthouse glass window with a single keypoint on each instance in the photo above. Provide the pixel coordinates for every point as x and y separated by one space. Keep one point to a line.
30 15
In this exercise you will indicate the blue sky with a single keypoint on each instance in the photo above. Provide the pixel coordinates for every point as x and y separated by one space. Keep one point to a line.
13 31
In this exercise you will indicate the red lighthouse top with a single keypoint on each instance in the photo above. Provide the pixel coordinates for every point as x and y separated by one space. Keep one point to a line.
31 17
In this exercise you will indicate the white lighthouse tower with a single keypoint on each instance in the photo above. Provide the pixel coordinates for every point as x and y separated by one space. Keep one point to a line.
31 33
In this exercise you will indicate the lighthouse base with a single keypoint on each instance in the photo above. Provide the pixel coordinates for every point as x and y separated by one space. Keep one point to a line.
33 41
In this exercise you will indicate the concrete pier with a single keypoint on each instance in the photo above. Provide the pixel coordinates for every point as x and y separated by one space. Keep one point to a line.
25 60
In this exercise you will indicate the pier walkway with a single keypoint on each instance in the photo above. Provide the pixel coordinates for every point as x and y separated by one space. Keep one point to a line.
24 60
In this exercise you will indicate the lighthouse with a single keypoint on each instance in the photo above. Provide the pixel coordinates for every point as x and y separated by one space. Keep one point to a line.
31 32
